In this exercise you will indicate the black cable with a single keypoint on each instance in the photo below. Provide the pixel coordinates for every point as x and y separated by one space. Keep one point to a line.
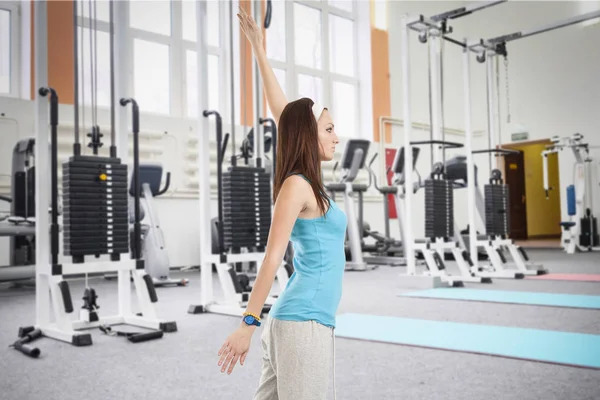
76 74
113 146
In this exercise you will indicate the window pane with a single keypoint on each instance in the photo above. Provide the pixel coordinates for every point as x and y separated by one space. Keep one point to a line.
151 76
102 71
102 10
192 82
280 74
276 49
151 16
341 45
307 36
311 87
5 37
380 11
341 4
344 109
189 21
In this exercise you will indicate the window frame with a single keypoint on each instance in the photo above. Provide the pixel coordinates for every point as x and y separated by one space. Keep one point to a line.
178 48
14 7
292 70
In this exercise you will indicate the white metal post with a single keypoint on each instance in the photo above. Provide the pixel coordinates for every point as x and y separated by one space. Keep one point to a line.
434 90
42 160
122 81
259 142
470 162
491 106
122 85
204 133
408 181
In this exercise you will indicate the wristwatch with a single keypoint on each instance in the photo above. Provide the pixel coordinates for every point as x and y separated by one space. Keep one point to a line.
251 320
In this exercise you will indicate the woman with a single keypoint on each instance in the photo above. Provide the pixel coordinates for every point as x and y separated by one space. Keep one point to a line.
297 339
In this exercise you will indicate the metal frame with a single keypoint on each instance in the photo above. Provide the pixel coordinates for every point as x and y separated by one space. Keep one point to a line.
49 276
582 179
231 302
486 51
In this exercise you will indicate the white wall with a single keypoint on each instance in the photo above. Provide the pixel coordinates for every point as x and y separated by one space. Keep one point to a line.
553 81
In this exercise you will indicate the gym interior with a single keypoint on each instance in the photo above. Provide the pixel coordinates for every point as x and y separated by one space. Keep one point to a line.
476 275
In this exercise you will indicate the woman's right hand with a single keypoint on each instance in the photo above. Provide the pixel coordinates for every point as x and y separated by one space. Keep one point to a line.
235 348
252 31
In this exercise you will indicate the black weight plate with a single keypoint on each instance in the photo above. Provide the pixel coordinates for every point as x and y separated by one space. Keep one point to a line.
118 241
116 170
92 248
75 210
92 196
93 229
96 214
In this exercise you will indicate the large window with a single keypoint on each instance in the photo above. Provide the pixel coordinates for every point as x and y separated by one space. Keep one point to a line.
9 45
314 43
162 37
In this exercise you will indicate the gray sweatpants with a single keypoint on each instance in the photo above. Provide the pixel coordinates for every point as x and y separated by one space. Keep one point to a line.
297 360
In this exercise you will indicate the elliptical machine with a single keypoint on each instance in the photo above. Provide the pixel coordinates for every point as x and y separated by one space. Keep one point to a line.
154 249
353 159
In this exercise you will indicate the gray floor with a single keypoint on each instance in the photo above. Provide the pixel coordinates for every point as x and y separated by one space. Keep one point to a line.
183 365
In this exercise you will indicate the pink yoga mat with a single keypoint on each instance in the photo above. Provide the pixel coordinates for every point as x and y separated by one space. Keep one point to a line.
568 277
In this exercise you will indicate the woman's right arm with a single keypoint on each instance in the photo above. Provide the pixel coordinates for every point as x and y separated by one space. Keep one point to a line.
273 91
275 96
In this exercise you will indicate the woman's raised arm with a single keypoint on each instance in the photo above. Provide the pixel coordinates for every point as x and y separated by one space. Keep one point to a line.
275 97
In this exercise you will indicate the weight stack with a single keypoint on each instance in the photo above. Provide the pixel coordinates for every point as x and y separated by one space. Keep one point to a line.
95 217
589 232
246 208
439 209
497 218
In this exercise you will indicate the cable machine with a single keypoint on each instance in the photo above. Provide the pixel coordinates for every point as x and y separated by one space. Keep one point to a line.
244 191
95 221
497 230
439 204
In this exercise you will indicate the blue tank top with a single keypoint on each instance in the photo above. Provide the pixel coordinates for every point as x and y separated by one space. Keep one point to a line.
315 288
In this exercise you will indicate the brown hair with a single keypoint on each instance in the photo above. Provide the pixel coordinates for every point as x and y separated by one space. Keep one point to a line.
298 149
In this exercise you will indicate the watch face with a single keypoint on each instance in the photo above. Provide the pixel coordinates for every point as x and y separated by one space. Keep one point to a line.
248 319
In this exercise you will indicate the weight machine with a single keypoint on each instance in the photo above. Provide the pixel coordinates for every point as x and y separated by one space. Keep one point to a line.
95 224
19 224
244 191
154 249
486 51
580 233
439 222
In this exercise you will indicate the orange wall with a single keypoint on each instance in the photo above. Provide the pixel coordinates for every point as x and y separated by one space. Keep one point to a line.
380 69
60 45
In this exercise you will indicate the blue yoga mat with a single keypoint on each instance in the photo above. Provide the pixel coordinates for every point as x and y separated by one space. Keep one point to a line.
574 349
498 296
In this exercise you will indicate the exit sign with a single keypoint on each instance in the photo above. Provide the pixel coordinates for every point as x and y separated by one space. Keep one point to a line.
519 136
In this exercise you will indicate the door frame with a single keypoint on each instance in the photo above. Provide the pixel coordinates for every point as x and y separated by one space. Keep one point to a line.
502 167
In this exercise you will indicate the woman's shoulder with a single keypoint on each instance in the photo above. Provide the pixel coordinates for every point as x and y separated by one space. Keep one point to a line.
296 181
298 175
